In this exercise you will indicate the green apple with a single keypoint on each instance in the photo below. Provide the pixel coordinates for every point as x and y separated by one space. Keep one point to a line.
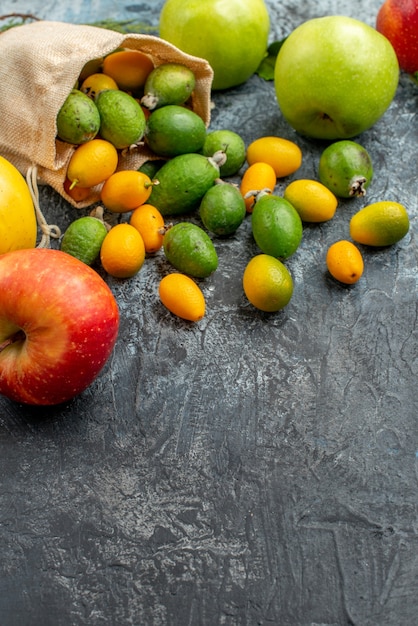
335 76
231 35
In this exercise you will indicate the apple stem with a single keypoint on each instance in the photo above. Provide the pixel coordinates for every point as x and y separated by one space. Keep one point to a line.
17 336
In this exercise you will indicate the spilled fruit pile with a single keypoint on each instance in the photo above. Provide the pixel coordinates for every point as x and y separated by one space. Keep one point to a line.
189 189
126 101
181 204
120 103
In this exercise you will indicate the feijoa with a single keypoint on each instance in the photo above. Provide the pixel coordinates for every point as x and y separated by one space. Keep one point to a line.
232 144
169 83
174 130
380 224
182 182
276 226
190 250
91 67
222 209
346 168
83 238
78 119
151 167
122 121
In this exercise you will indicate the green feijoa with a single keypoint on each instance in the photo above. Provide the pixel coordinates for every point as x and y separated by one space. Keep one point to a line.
346 168
169 83
93 66
83 238
190 250
182 182
232 144
78 119
222 209
174 130
276 226
151 167
122 120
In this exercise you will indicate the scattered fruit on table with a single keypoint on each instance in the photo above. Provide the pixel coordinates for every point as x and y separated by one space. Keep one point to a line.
222 209
169 83
83 238
398 21
122 253
267 283
190 250
312 200
335 76
58 319
258 178
345 262
276 226
283 155
191 182
380 224
182 296
151 226
172 130
18 226
232 36
125 190
229 142
58 325
346 168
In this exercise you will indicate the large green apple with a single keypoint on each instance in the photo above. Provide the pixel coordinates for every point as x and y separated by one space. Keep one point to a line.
335 77
231 35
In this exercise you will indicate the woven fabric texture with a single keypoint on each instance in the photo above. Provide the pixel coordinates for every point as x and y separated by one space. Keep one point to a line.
41 62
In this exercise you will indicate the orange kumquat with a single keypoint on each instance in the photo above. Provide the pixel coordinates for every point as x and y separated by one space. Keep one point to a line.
125 191
257 177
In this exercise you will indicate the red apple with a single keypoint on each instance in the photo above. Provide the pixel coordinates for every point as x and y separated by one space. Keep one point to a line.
397 20
58 325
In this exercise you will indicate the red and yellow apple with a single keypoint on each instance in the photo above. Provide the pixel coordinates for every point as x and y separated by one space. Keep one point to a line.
58 325
397 20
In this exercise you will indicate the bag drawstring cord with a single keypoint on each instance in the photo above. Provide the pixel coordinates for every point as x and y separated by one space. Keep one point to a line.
48 230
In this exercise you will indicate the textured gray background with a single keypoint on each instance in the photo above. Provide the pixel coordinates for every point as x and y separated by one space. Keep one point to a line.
251 469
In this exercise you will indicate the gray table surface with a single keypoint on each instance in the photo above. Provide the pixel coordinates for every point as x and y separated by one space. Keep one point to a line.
249 469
